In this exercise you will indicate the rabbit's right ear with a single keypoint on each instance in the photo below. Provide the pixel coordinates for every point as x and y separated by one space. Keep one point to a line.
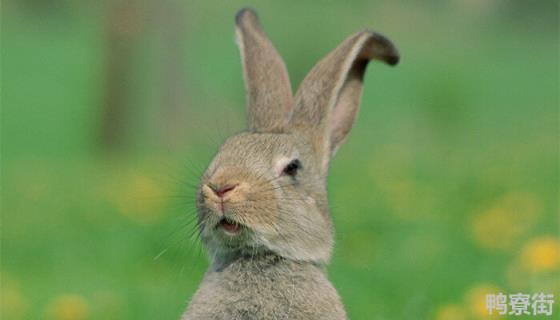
328 100
269 93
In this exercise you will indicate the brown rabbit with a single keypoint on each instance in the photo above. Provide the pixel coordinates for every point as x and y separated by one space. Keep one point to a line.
262 202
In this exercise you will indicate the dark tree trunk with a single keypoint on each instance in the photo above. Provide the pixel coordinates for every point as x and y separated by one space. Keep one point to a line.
172 76
122 27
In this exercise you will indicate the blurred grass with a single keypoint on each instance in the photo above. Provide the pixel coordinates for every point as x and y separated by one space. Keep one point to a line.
447 188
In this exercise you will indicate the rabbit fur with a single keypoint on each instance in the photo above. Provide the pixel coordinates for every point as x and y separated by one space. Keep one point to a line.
262 202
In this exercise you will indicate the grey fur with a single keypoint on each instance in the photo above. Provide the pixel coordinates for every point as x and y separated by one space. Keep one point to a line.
266 79
272 265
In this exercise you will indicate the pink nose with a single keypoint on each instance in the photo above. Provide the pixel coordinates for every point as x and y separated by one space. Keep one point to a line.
221 191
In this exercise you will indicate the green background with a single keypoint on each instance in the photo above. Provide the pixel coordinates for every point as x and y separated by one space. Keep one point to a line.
446 190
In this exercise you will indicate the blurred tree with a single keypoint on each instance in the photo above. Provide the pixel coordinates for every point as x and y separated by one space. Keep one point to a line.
123 27
45 7
171 25
129 22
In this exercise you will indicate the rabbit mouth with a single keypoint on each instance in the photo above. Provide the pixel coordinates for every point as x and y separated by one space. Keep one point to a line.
229 226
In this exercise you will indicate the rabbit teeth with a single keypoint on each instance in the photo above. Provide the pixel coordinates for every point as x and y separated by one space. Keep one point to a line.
229 226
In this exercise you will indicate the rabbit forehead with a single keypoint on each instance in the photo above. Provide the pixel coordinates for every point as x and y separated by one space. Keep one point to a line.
249 148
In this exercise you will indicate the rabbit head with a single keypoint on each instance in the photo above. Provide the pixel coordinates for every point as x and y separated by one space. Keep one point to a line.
265 190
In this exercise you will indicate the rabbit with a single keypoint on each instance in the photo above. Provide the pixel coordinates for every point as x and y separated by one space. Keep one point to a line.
262 202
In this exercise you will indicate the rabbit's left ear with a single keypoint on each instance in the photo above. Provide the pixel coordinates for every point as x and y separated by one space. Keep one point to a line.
328 100
269 93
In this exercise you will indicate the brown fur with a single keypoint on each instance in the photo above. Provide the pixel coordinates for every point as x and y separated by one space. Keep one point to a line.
272 267
263 65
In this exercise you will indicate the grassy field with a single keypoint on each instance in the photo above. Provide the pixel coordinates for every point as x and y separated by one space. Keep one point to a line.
446 190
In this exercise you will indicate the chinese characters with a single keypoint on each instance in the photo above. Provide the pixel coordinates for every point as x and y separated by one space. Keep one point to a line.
520 304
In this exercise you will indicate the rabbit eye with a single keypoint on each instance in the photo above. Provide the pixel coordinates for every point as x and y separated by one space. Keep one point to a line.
292 168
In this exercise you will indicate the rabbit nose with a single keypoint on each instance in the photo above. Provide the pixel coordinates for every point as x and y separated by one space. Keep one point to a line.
221 191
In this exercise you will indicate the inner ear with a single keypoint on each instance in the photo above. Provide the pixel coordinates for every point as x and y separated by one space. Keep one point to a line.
347 105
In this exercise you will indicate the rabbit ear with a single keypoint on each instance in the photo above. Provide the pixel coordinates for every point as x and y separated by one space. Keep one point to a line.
268 89
328 100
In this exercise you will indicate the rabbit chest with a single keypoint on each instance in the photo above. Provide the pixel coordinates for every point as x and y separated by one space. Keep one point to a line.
266 288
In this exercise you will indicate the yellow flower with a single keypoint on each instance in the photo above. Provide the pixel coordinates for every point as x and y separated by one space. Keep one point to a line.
137 197
68 307
475 300
451 312
501 226
408 199
541 254
492 229
13 304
